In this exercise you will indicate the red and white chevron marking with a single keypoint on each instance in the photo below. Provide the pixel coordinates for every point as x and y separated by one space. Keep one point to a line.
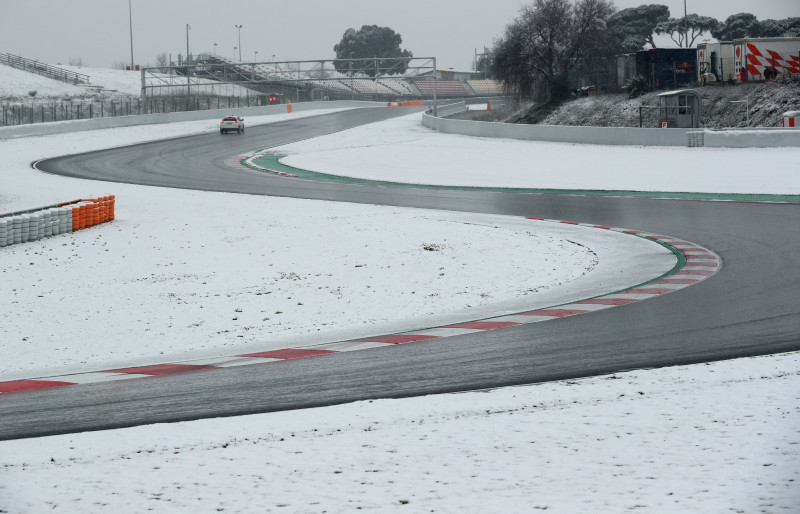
758 61
700 264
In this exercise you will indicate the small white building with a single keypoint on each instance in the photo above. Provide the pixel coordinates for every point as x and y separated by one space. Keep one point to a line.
680 109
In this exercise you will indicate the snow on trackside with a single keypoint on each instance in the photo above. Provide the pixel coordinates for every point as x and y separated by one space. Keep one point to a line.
720 437
706 438
402 150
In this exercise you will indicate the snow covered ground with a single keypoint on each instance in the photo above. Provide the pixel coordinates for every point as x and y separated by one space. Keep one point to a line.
718 437
16 83
715 438
383 153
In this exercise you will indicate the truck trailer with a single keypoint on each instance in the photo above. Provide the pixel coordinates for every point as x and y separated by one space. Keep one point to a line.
715 62
667 68
761 59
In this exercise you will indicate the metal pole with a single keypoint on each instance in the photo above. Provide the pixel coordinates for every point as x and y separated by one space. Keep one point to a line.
188 79
130 19
239 28
144 86
746 103
685 25
435 103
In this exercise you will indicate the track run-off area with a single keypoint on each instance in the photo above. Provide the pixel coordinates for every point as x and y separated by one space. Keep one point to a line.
738 259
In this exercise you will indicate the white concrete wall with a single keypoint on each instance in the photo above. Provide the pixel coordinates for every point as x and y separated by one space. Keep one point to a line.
735 138
561 133
59 127
753 138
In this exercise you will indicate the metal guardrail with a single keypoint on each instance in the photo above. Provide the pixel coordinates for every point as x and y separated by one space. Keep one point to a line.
43 69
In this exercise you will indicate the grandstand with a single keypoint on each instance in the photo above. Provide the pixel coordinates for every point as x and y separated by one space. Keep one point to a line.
367 86
315 80
398 86
443 88
486 87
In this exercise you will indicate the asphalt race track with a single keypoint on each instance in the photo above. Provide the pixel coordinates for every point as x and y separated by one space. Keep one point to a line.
750 307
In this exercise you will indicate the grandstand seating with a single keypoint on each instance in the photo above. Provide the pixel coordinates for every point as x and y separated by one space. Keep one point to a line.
331 84
367 86
295 77
443 88
486 87
398 86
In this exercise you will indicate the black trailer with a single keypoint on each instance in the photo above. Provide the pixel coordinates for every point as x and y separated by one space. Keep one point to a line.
667 68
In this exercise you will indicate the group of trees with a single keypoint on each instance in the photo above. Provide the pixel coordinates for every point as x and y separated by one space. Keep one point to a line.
376 50
550 38
746 25
636 27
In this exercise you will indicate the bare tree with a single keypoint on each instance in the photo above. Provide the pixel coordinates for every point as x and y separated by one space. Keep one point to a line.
118 64
550 39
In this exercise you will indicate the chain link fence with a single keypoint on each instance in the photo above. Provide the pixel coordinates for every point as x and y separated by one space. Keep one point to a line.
23 113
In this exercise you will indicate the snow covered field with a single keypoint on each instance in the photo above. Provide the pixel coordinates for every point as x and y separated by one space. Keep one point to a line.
719 437
382 153
715 438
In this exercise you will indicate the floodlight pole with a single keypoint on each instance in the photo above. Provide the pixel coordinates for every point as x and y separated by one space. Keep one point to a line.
435 102
685 25
239 28
130 20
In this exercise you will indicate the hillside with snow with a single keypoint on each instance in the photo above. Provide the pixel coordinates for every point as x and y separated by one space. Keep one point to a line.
723 106
19 86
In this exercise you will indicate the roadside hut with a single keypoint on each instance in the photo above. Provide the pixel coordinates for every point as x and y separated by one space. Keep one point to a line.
679 109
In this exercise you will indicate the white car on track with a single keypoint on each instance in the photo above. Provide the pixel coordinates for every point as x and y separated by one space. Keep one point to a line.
231 124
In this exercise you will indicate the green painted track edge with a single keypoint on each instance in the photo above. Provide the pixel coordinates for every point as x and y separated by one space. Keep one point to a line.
272 162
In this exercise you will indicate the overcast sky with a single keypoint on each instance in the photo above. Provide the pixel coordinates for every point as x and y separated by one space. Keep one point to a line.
97 31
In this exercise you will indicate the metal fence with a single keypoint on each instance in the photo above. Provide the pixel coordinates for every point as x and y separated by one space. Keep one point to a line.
42 112
43 69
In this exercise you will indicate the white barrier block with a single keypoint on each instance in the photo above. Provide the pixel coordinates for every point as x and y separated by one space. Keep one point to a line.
40 217
65 219
25 228
5 231
16 236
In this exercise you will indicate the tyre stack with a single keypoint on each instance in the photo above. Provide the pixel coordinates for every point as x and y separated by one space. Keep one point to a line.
35 224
